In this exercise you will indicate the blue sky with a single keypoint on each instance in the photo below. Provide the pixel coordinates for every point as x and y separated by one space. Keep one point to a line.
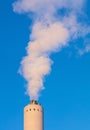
66 98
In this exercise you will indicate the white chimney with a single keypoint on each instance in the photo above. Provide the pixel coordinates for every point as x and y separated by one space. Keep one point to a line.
33 116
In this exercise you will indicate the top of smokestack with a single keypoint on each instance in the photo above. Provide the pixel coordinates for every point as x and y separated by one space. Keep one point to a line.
34 102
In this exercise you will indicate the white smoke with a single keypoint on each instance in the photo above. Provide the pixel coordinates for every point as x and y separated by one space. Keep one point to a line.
85 50
55 23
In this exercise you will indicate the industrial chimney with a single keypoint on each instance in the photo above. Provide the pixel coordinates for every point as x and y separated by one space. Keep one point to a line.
33 116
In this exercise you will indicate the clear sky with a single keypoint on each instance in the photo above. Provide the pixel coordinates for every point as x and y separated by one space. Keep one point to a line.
66 98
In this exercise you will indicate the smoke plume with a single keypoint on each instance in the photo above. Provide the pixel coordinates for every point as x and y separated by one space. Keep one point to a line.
55 24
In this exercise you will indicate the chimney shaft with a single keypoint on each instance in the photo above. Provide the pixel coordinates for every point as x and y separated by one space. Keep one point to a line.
33 116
